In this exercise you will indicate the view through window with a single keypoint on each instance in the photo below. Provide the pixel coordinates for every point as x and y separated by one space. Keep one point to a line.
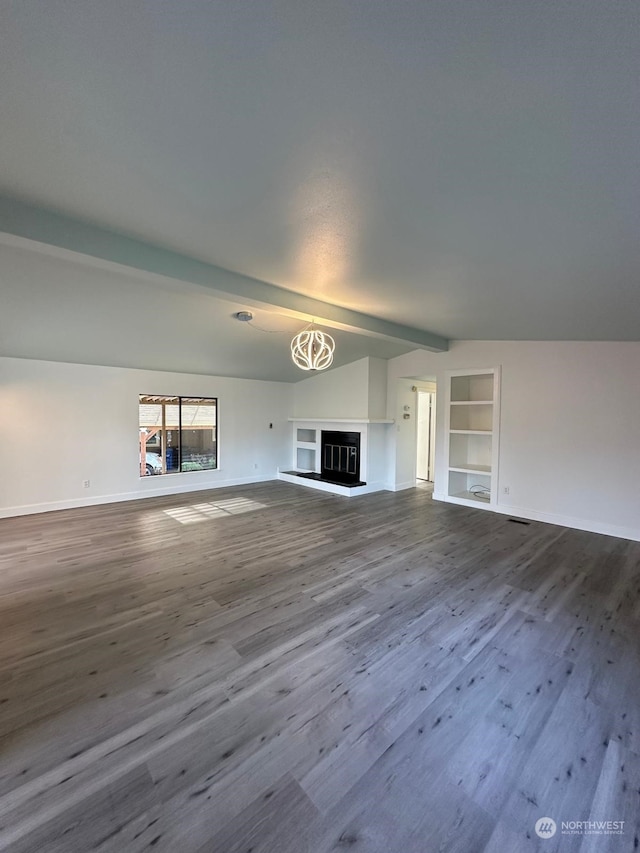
177 434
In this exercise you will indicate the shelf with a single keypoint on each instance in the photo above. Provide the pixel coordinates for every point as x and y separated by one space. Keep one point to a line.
473 415
471 469
304 458
477 416
471 453
312 445
472 386
469 496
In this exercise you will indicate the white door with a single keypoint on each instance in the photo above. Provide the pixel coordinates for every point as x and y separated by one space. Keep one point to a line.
426 435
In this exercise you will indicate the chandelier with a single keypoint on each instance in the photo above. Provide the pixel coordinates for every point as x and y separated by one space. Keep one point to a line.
312 349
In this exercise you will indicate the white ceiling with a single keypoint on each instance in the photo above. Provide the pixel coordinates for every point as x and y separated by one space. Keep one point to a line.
469 168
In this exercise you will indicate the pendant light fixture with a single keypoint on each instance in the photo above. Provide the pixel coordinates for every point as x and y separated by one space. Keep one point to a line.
312 349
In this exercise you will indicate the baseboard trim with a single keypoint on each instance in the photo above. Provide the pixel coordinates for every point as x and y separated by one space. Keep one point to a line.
503 509
554 518
400 487
76 503
569 521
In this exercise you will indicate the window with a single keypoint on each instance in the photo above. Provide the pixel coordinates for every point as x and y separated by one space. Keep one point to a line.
177 434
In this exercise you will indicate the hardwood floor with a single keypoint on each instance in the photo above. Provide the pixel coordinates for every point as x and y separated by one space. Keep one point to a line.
269 668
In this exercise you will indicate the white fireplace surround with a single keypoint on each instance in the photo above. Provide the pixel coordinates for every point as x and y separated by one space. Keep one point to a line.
306 444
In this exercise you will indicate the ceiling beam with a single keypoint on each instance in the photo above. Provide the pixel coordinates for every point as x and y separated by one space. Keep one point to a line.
32 223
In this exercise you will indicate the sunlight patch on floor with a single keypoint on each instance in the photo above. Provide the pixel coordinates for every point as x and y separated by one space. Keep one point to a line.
203 511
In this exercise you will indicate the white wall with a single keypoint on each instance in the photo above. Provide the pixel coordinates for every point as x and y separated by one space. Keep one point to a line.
403 450
61 424
569 434
377 403
569 443
340 393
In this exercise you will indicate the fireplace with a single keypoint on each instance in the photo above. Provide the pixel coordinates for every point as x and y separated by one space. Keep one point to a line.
340 457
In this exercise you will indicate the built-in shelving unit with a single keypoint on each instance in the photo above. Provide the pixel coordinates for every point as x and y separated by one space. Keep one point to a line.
472 436
305 449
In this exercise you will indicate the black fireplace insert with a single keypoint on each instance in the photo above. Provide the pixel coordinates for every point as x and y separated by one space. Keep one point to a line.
340 457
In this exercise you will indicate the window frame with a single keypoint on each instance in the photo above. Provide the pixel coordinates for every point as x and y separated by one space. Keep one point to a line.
180 401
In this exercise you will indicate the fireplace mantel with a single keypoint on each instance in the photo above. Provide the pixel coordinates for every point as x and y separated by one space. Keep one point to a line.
342 420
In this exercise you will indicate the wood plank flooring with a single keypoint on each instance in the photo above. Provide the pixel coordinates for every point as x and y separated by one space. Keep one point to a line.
269 669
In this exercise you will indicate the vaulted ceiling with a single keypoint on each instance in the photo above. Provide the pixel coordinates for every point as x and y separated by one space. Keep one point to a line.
466 168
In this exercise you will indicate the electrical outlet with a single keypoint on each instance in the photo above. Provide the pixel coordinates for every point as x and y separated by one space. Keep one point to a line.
86 484
505 490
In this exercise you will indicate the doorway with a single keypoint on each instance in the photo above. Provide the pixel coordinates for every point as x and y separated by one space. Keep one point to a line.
426 443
